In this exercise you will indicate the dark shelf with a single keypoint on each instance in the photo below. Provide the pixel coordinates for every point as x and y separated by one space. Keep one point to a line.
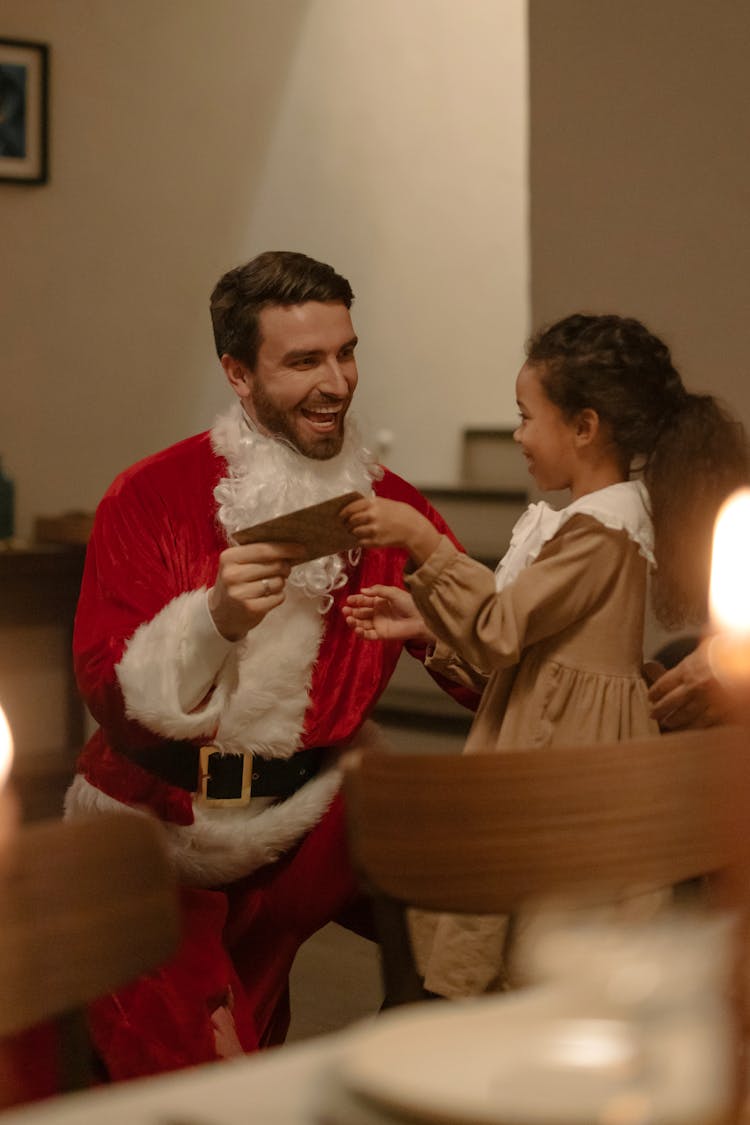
39 585
473 492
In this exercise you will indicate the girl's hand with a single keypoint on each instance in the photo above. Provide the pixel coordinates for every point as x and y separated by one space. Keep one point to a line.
390 523
380 523
386 613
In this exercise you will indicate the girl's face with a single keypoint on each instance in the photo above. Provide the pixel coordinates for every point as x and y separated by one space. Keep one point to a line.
545 437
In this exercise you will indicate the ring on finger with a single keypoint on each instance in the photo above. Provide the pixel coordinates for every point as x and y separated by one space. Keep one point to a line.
266 587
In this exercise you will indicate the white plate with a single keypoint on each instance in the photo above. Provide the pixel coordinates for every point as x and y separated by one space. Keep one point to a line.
523 1059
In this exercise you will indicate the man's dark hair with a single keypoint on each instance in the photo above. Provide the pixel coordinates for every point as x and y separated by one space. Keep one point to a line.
277 277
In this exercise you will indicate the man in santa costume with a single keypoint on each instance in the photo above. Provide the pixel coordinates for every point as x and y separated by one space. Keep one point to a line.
224 678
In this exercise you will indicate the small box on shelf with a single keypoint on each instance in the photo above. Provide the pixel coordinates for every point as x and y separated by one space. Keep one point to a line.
70 527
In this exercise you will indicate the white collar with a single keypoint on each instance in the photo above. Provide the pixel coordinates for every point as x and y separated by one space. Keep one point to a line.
622 507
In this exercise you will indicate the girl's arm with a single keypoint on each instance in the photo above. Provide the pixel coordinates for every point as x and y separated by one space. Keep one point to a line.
389 612
456 595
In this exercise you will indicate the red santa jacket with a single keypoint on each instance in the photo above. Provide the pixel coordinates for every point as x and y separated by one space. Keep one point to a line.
303 679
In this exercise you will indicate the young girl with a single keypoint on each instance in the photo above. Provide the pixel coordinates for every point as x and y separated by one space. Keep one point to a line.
555 635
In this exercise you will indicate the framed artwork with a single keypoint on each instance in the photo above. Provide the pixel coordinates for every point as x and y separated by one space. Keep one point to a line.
24 70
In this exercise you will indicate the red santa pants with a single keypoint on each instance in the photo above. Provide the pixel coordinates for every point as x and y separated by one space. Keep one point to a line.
229 981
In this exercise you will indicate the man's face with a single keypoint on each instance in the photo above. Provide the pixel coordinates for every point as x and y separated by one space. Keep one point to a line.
304 378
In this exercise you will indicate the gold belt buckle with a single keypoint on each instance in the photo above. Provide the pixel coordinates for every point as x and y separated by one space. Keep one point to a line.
204 766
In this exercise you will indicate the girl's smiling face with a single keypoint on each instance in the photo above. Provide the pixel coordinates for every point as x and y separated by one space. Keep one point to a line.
546 438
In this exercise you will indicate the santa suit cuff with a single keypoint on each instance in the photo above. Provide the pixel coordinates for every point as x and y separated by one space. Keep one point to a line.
174 671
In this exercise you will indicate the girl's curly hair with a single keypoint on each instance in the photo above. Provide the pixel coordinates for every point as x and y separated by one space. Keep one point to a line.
691 451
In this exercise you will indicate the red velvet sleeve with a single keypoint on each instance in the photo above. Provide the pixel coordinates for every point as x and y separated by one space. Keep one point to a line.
145 549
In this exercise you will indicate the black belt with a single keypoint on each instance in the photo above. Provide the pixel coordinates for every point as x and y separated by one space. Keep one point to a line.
218 776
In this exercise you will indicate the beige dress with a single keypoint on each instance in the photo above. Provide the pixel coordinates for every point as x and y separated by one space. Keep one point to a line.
560 649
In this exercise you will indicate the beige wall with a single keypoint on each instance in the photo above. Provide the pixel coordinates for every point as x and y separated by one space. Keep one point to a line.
639 177
187 135
640 165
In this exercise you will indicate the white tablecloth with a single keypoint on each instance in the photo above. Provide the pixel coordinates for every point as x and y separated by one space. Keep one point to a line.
277 1087
479 1061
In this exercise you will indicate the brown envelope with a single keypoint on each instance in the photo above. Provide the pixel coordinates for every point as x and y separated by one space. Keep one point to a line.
318 528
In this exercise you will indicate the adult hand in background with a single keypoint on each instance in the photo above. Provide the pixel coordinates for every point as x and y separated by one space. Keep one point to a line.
689 695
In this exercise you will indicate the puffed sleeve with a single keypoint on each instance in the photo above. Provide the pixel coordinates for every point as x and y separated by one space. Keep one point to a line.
487 628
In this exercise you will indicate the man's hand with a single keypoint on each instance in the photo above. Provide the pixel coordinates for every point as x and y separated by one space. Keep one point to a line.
386 613
391 523
689 695
250 582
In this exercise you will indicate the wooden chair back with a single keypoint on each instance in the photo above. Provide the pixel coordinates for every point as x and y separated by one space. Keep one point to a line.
484 833
85 906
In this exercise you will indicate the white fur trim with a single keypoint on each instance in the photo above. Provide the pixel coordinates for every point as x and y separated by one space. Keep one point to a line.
261 691
150 671
225 844
266 711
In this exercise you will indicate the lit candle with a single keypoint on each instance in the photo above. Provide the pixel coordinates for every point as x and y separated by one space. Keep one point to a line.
9 813
6 748
730 592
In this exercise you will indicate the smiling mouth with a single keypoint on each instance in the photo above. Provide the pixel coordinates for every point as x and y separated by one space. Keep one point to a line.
324 417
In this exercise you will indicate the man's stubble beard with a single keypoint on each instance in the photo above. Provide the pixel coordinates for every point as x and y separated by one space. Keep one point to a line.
277 423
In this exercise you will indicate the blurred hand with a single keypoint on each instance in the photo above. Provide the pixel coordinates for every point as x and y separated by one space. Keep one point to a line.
689 695
250 582
386 613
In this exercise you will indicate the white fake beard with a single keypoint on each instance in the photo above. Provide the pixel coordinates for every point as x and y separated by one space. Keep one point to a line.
268 477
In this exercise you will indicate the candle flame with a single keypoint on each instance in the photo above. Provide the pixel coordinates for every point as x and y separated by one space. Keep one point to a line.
6 748
730 564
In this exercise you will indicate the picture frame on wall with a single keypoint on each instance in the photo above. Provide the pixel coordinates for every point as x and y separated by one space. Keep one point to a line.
24 95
